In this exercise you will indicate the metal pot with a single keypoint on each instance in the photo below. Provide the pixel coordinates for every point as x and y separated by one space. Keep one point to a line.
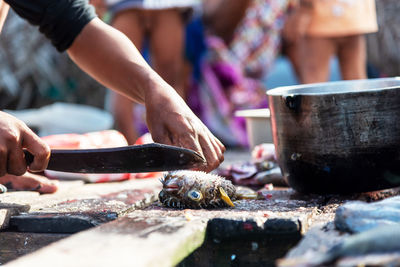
338 137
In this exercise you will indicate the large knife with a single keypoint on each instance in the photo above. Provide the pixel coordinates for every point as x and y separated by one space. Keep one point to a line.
129 159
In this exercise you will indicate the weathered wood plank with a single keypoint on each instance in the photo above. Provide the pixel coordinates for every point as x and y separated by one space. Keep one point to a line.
7 210
157 236
4 218
76 207
15 209
14 245
91 191
80 214
75 190
58 222
126 242
19 197
143 237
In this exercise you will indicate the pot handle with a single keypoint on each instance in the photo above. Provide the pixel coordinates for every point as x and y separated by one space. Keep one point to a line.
292 101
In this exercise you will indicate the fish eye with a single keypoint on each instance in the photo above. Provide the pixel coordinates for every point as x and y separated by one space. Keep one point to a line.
195 195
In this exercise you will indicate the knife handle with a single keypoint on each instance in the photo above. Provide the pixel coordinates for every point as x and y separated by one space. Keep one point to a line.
28 157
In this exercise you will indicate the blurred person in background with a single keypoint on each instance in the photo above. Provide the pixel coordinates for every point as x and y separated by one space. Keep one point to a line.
160 25
231 48
317 30
383 47
108 56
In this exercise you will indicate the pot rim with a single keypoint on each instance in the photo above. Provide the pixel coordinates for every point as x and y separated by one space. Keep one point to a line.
338 87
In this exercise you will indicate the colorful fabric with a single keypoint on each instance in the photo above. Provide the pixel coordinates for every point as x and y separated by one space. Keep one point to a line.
257 39
231 76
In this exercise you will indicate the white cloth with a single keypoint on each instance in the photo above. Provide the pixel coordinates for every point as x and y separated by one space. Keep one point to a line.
154 4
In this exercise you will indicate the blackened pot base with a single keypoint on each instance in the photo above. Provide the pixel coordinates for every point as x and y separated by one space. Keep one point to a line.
337 175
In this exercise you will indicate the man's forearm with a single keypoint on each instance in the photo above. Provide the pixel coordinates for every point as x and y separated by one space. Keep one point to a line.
111 58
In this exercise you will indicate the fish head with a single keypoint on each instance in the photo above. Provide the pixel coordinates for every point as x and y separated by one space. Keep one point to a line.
172 184
194 195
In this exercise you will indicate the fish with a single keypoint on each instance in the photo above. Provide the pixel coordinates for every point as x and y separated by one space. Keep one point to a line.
195 190
375 241
382 239
358 216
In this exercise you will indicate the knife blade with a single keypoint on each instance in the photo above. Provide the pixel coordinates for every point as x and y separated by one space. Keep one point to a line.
128 159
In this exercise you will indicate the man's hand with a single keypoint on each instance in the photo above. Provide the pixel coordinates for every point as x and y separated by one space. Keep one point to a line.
30 182
14 136
112 59
170 121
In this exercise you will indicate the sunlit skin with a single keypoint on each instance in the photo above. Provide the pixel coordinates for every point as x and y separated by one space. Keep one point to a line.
110 57
164 30
15 136
30 182
118 65
311 55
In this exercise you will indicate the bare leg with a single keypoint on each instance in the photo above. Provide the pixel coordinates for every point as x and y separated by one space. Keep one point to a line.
223 16
352 57
291 50
167 41
122 107
315 55
3 13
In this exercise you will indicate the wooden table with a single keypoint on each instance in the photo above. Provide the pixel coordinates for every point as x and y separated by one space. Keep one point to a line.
122 224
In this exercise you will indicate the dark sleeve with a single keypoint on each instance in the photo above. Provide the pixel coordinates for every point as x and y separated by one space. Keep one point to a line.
60 20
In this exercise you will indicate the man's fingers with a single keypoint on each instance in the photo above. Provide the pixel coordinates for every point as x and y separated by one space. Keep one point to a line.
190 142
16 164
206 145
210 154
14 136
203 142
220 152
223 148
3 160
177 125
30 182
161 137
39 149
220 148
